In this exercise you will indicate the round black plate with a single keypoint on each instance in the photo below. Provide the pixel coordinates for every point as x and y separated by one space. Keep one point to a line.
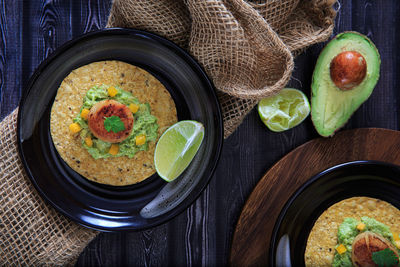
359 178
110 208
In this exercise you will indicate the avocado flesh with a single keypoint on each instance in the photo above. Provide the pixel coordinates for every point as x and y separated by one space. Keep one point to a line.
332 107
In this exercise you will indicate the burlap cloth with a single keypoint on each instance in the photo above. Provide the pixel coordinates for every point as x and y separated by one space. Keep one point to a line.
247 49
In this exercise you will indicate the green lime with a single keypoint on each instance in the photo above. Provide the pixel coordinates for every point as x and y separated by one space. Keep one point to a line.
285 110
177 147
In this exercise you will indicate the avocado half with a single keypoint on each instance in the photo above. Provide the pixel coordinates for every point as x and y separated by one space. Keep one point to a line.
331 106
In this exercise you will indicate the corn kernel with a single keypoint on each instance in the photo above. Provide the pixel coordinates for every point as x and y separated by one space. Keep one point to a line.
85 113
397 244
361 226
88 141
396 236
140 139
134 108
341 249
112 91
113 149
74 127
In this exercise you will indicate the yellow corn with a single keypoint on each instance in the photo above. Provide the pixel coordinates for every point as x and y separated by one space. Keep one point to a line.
113 149
341 249
134 108
112 91
74 127
88 141
140 139
396 236
85 113
361 226
397 244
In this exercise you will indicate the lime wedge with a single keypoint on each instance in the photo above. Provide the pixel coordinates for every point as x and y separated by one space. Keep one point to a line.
285 110
177 147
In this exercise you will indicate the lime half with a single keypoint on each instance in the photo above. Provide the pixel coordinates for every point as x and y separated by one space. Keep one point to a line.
177 147
285 110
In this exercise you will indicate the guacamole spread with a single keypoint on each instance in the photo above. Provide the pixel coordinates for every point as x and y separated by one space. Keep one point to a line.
144 124
348 231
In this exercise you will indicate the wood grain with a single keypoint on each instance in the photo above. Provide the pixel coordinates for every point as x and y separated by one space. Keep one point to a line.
10 55
202 235
250 244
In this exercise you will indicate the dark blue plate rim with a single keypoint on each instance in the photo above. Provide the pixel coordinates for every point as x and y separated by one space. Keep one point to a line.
190 199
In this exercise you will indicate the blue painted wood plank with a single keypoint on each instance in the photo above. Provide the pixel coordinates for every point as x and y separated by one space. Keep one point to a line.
10 55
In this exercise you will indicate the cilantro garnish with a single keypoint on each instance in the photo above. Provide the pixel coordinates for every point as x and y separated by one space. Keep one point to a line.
385 257
114 124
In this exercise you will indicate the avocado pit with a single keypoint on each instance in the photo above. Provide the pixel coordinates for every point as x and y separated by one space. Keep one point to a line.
348 69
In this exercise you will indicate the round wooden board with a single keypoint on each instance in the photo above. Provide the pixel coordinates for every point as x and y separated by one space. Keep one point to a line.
251 239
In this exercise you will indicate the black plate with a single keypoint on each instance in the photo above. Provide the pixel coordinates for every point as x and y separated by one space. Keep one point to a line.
110 208
360 178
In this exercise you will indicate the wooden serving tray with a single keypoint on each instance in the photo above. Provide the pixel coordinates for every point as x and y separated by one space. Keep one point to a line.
253 231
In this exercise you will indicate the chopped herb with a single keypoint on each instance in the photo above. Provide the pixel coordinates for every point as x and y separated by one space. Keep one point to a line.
114 124
385 257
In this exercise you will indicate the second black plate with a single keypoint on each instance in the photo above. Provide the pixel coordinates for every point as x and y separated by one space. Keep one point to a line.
353 179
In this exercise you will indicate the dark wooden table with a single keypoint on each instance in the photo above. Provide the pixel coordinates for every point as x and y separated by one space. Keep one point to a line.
31 30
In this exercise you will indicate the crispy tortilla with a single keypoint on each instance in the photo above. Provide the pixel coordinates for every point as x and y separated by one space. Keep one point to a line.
112 171
323 236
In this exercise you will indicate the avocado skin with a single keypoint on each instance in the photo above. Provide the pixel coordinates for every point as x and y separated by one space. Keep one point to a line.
331 107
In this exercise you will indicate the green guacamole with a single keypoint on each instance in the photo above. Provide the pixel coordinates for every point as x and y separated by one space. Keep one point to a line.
348 231
145 123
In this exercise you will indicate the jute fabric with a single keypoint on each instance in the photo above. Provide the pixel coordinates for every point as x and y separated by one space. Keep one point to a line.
246 47
32 233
